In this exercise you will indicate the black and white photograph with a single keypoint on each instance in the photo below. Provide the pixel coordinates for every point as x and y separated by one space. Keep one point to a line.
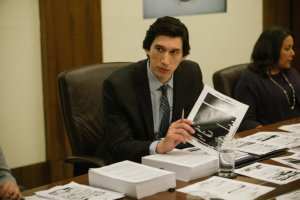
211 121
215 115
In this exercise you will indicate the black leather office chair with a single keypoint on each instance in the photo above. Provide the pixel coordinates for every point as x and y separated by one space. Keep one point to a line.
225 80
80 92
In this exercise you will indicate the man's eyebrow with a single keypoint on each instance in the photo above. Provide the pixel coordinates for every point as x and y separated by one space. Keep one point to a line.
160 46
157 45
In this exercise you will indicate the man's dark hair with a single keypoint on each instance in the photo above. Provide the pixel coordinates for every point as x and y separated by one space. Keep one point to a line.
266 51
168 26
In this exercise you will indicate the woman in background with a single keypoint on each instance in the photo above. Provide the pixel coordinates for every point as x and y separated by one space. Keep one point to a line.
270 86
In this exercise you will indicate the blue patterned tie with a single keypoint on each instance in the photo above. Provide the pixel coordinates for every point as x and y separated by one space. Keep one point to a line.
165 109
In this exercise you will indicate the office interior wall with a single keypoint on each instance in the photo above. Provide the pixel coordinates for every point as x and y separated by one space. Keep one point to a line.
22 134
217 40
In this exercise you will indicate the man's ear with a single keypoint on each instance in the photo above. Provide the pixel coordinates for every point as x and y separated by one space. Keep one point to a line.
147 52
184 57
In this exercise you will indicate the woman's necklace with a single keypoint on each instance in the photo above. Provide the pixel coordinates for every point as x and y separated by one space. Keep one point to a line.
284 91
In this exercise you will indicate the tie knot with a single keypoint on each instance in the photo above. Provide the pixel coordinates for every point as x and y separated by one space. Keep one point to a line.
163 89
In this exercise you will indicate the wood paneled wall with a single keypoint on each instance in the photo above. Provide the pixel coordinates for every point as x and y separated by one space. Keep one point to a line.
284 13
71 37
295 27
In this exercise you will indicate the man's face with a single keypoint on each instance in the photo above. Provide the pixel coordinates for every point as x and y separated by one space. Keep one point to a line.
165 54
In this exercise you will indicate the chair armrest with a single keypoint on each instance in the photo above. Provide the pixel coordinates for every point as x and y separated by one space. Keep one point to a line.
90 160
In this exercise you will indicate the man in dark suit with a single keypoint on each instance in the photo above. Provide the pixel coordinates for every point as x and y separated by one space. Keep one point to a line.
132 95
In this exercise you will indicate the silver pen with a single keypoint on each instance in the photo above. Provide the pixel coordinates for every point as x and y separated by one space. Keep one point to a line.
182 115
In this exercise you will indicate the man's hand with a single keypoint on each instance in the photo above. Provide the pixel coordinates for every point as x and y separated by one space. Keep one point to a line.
178 132
10 191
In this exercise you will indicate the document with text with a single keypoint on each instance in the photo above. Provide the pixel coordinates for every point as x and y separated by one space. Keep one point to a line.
275 138
294 195
257 148
226 189
271 173
215 115
73 191
293 128
292 161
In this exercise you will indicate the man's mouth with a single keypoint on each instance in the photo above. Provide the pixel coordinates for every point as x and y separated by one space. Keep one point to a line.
163 70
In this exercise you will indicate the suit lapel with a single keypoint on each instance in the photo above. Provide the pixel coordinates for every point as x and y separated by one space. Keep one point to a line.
178 95
144 97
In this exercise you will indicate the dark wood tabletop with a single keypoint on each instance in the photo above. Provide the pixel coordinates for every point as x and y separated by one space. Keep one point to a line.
279 189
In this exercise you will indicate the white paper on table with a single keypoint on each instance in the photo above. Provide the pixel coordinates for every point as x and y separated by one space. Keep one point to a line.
275 138
184 157
293 160
295 150
34 197
215 115
271 173
74 190
253 147
294 128
294 195
226 189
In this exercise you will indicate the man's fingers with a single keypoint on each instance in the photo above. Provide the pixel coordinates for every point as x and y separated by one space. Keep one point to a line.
186 121
183 134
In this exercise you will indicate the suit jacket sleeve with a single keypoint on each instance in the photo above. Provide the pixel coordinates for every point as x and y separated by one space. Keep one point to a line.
127 136
5 173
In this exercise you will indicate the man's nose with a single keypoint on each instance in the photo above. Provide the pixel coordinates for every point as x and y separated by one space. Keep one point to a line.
165 59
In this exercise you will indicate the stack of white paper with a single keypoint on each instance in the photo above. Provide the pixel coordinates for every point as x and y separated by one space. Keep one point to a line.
133 179
187 165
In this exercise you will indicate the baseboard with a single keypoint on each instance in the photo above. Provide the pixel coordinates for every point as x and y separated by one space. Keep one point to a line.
34 175
43 173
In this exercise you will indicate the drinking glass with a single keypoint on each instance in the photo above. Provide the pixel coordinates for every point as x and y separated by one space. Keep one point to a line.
226 157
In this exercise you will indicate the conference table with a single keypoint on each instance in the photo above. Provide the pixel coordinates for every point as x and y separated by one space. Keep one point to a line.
279 189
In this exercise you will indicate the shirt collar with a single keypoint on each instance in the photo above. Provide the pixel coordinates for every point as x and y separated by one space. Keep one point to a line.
153 82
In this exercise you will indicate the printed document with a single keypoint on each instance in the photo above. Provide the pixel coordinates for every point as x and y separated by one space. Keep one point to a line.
227 189
275 138
295 195
257 148
293 128
75 191
215 115
270 173
293 160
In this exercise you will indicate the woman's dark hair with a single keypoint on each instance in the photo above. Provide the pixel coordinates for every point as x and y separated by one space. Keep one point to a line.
168 26
266 51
